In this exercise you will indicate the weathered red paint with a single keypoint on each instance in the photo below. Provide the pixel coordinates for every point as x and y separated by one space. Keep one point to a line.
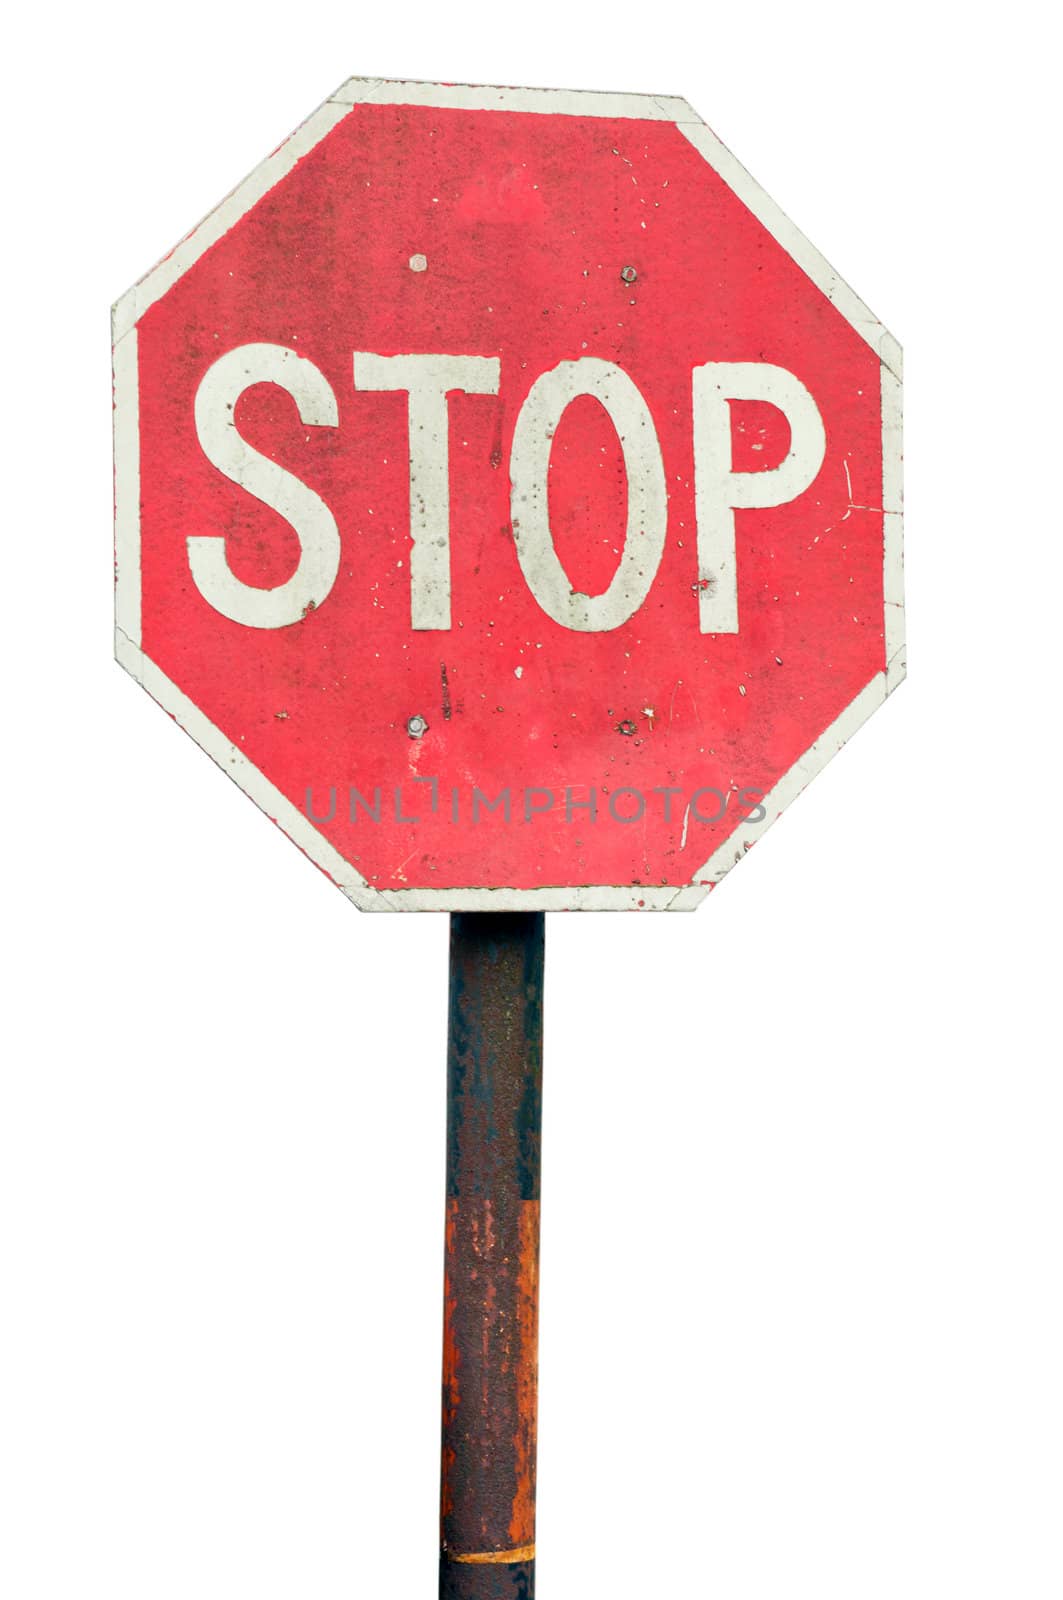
528 224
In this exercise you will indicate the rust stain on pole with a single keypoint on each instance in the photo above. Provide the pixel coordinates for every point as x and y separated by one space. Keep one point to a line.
491 1286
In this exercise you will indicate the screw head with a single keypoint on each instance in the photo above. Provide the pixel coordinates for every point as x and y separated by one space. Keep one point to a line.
627 727
416 727
628 274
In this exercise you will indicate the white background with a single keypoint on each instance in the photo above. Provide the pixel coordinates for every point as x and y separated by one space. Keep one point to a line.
801 1318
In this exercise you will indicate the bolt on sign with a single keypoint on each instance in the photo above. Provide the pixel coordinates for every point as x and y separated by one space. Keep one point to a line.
508 497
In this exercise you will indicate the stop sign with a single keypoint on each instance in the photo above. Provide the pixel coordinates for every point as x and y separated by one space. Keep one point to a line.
508 498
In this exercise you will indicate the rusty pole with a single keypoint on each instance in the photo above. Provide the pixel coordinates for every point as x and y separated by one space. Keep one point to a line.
491 1286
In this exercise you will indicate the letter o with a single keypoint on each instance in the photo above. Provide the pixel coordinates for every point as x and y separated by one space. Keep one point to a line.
647 495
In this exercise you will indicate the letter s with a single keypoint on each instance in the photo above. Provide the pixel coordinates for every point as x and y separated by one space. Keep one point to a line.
751 798
313 522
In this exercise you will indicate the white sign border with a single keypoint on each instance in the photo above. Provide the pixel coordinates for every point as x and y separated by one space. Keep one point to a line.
471 97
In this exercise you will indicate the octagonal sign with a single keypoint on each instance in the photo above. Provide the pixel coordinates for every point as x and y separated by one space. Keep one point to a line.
508 498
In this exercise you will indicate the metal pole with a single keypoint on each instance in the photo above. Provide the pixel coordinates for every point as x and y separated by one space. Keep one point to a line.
491 1287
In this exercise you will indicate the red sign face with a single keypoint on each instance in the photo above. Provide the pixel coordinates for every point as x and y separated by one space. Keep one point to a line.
508 497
